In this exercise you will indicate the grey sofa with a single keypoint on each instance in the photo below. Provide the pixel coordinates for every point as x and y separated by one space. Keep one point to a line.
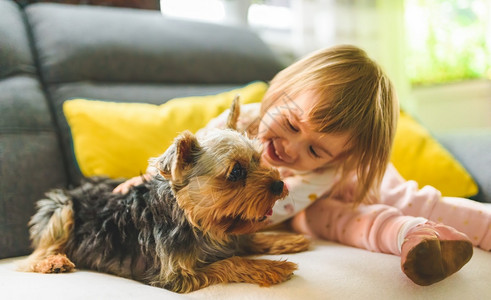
51 52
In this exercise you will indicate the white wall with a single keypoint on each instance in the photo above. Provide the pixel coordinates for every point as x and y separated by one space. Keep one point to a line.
450 107
378 27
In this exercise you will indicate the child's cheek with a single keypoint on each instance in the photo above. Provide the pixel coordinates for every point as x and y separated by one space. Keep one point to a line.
264 127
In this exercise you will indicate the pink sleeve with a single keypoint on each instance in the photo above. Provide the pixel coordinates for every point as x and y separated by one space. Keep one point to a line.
333 217
468 216
380 227
375 227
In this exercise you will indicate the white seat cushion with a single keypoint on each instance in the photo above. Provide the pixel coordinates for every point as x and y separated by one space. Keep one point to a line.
327 271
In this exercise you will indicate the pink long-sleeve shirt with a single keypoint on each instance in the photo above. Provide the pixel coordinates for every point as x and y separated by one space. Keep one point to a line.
379 227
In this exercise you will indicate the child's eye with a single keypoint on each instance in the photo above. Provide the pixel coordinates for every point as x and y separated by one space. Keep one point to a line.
312 151
290 125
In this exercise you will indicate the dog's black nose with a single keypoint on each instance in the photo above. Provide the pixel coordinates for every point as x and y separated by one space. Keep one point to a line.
277 187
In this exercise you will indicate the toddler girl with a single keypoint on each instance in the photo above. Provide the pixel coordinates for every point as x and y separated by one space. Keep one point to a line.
327 122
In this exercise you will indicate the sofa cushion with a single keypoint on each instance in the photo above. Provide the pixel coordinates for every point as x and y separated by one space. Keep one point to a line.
326 271
418 156
30 164
143 46
15 52
117 139
472 149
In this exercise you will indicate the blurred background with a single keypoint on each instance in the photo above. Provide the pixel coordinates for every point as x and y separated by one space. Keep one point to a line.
437 52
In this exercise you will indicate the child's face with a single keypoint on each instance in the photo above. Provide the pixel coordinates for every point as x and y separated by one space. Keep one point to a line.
290 141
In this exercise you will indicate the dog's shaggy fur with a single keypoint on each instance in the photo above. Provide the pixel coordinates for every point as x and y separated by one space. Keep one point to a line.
183 230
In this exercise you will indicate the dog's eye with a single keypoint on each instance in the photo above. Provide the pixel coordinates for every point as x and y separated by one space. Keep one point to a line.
237 173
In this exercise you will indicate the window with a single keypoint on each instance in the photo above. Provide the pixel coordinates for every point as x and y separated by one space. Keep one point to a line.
271 19
209 10
259 14
448 40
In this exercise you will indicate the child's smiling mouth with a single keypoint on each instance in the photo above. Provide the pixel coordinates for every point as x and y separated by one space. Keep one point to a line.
276 154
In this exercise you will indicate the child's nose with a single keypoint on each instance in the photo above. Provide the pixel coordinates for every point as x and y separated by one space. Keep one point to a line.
292 149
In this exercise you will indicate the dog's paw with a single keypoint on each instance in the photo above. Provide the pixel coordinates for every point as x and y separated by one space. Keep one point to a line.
57 263
297 243
274 272
280 243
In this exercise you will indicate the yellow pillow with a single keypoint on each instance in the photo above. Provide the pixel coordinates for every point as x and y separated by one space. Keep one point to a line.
117 139
418 156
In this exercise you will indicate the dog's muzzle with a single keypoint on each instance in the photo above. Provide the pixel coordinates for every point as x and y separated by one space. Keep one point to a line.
277 187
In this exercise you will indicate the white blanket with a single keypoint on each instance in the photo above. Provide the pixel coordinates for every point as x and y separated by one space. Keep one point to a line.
327 271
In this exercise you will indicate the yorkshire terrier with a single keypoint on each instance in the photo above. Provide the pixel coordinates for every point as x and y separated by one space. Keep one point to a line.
185 229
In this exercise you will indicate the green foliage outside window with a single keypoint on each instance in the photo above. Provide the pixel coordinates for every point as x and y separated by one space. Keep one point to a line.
447 40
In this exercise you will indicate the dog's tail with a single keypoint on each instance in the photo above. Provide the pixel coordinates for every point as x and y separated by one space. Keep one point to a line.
50 228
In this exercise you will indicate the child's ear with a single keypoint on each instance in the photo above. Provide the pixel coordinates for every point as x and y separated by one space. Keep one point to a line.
233 117
179 157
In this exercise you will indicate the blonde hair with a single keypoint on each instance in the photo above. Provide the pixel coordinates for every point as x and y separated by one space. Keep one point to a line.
354 97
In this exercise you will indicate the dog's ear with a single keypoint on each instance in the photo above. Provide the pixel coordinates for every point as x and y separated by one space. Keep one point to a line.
233 117
179 157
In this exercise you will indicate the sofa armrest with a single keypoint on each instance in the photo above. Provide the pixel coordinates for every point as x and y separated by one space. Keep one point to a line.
472 149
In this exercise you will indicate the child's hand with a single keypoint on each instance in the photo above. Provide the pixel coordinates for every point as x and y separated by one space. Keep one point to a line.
124 187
